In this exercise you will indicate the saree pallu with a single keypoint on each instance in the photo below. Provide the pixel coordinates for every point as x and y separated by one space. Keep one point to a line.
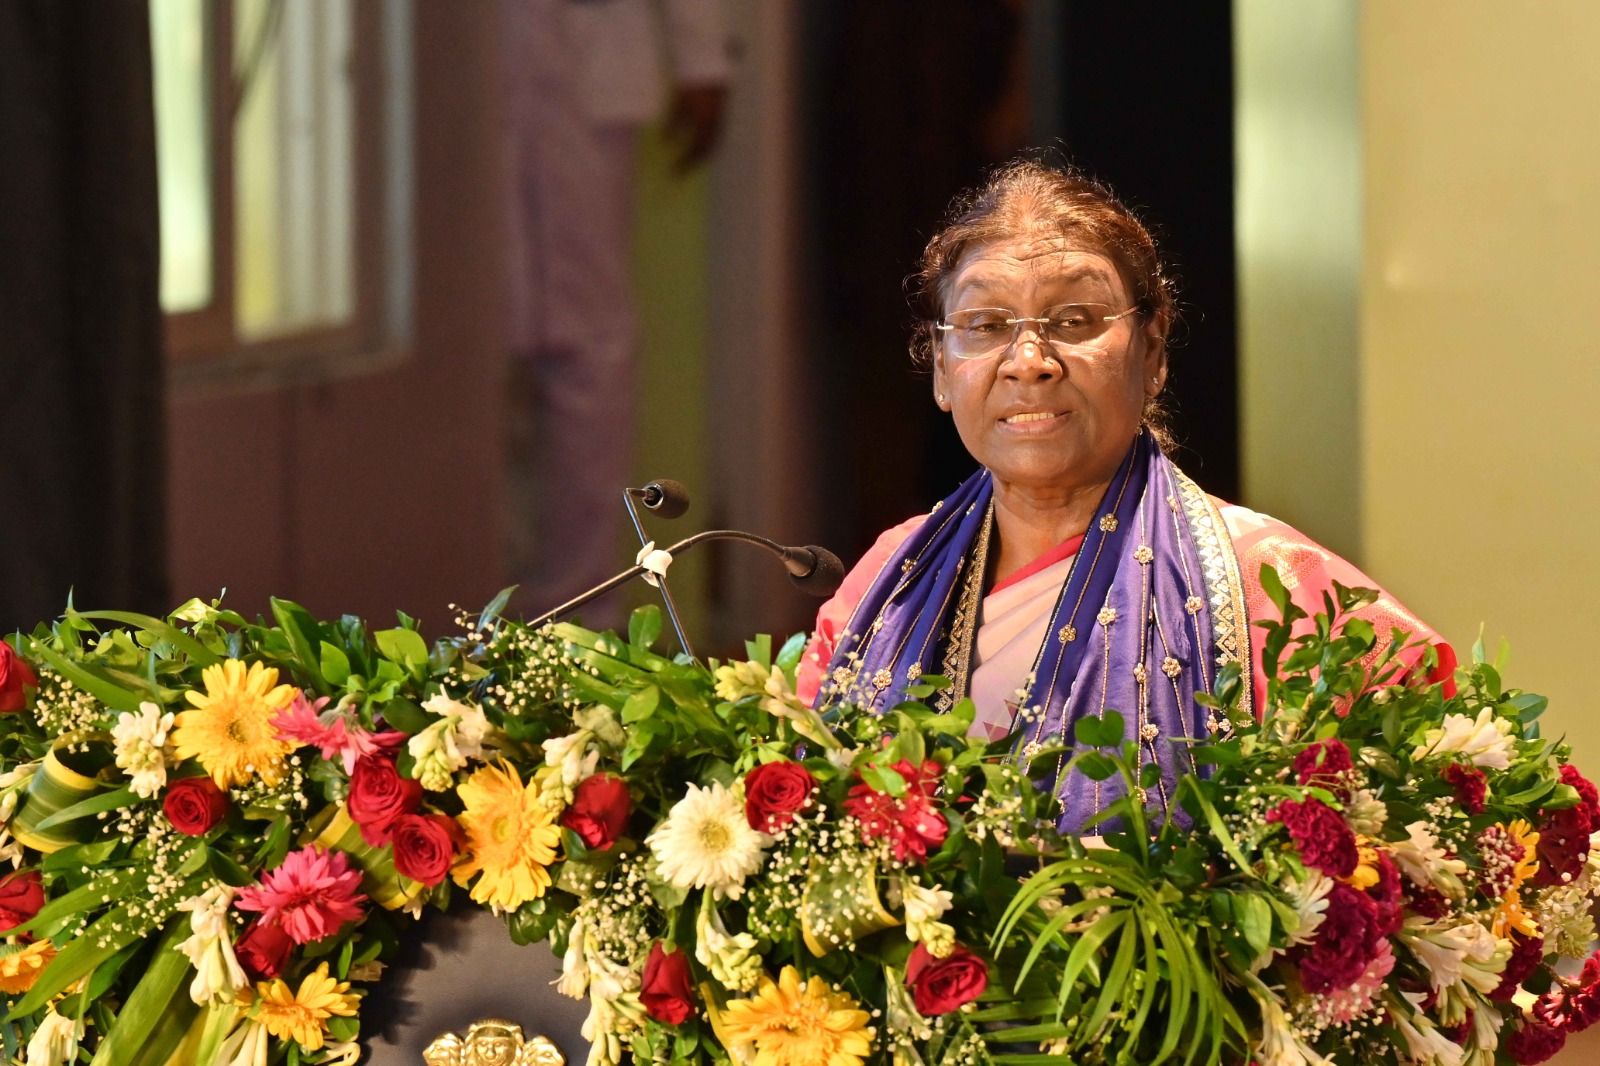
1152 607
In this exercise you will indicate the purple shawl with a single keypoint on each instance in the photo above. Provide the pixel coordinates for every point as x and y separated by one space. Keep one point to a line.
1132 629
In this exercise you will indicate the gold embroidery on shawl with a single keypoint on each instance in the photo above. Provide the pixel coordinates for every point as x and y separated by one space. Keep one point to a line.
964 626
1219 567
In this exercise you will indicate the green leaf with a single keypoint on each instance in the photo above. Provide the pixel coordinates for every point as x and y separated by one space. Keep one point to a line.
1095 766
1272 585
107 692
198 653
884 779
106 801
335 664
1254 915
404 646
644 626
299 628
494 607
641 705
1105 731
406 716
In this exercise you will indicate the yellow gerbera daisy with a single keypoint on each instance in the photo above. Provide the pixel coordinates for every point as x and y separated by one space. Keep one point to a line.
1511 917
1522 833
1365 875
799 1025
303 1016
20 969
511 838
230 730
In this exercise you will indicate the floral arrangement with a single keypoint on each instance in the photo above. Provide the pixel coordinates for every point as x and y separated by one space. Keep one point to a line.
216 829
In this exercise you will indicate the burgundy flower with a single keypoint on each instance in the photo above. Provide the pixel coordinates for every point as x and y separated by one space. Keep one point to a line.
379 795
194 805
939 986
1533 1041
21 896
1321 833
15 676
774 793
1345 944
599 810
1323 764
1588 794
263 949
424 846
1563 845
1527 953
1470 785
910 823
1386 894
667 988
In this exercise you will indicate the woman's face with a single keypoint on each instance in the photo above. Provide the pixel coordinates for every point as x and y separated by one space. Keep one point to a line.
1090 401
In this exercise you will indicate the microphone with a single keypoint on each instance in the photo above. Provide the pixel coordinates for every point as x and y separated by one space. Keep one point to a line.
812 569
665 497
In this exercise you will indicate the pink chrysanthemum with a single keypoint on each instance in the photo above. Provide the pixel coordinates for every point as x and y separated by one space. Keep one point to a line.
310 895
332 731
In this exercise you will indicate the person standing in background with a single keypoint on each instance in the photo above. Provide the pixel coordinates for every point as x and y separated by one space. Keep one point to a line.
584 78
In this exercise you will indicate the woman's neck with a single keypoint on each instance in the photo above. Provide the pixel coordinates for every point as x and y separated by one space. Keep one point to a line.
1031 521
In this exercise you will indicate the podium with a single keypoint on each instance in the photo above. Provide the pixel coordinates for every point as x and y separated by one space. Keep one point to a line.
459 967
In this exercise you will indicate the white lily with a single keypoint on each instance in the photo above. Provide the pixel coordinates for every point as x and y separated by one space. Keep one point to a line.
1486 740
1309 898
732 958
1280 1046
55 1041
1424 1042
141 747
210 947
1421 858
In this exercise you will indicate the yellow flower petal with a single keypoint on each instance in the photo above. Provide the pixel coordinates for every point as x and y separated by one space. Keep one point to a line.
230 728
303 1016
794 1024
511 838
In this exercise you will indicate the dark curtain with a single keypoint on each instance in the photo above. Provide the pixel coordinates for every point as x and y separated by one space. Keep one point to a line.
904 99
82 459
1152 114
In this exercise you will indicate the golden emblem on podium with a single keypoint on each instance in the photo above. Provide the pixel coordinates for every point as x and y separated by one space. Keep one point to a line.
492 1042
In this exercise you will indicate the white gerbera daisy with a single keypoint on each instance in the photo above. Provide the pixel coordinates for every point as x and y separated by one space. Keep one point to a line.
141 741
705 842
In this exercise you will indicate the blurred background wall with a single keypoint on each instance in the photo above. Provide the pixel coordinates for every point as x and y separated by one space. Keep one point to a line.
1380 216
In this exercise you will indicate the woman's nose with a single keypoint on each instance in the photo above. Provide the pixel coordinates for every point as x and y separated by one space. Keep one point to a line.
1030 357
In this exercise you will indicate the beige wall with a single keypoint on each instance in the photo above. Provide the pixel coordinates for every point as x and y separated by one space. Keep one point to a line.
1478 355
1298 219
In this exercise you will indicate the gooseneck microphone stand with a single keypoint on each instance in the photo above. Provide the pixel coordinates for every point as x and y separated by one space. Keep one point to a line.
812 569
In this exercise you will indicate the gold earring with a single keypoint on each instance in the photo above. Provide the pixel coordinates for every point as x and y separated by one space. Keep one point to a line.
941 397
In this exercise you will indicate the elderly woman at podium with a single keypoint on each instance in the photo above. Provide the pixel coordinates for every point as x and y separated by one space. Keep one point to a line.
1079 569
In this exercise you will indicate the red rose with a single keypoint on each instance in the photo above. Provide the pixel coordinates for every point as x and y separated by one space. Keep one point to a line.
1345 944
194 805
599 811
774 792
939 986
263 950
424 846
15 675
379 795
1323 764
1470 785
1321 833
1534 1041
667 988
910 823
21 896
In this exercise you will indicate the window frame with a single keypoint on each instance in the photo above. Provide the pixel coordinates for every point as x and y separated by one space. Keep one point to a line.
204 344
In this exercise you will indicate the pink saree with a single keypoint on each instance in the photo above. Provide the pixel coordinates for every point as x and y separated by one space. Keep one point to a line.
1015 611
